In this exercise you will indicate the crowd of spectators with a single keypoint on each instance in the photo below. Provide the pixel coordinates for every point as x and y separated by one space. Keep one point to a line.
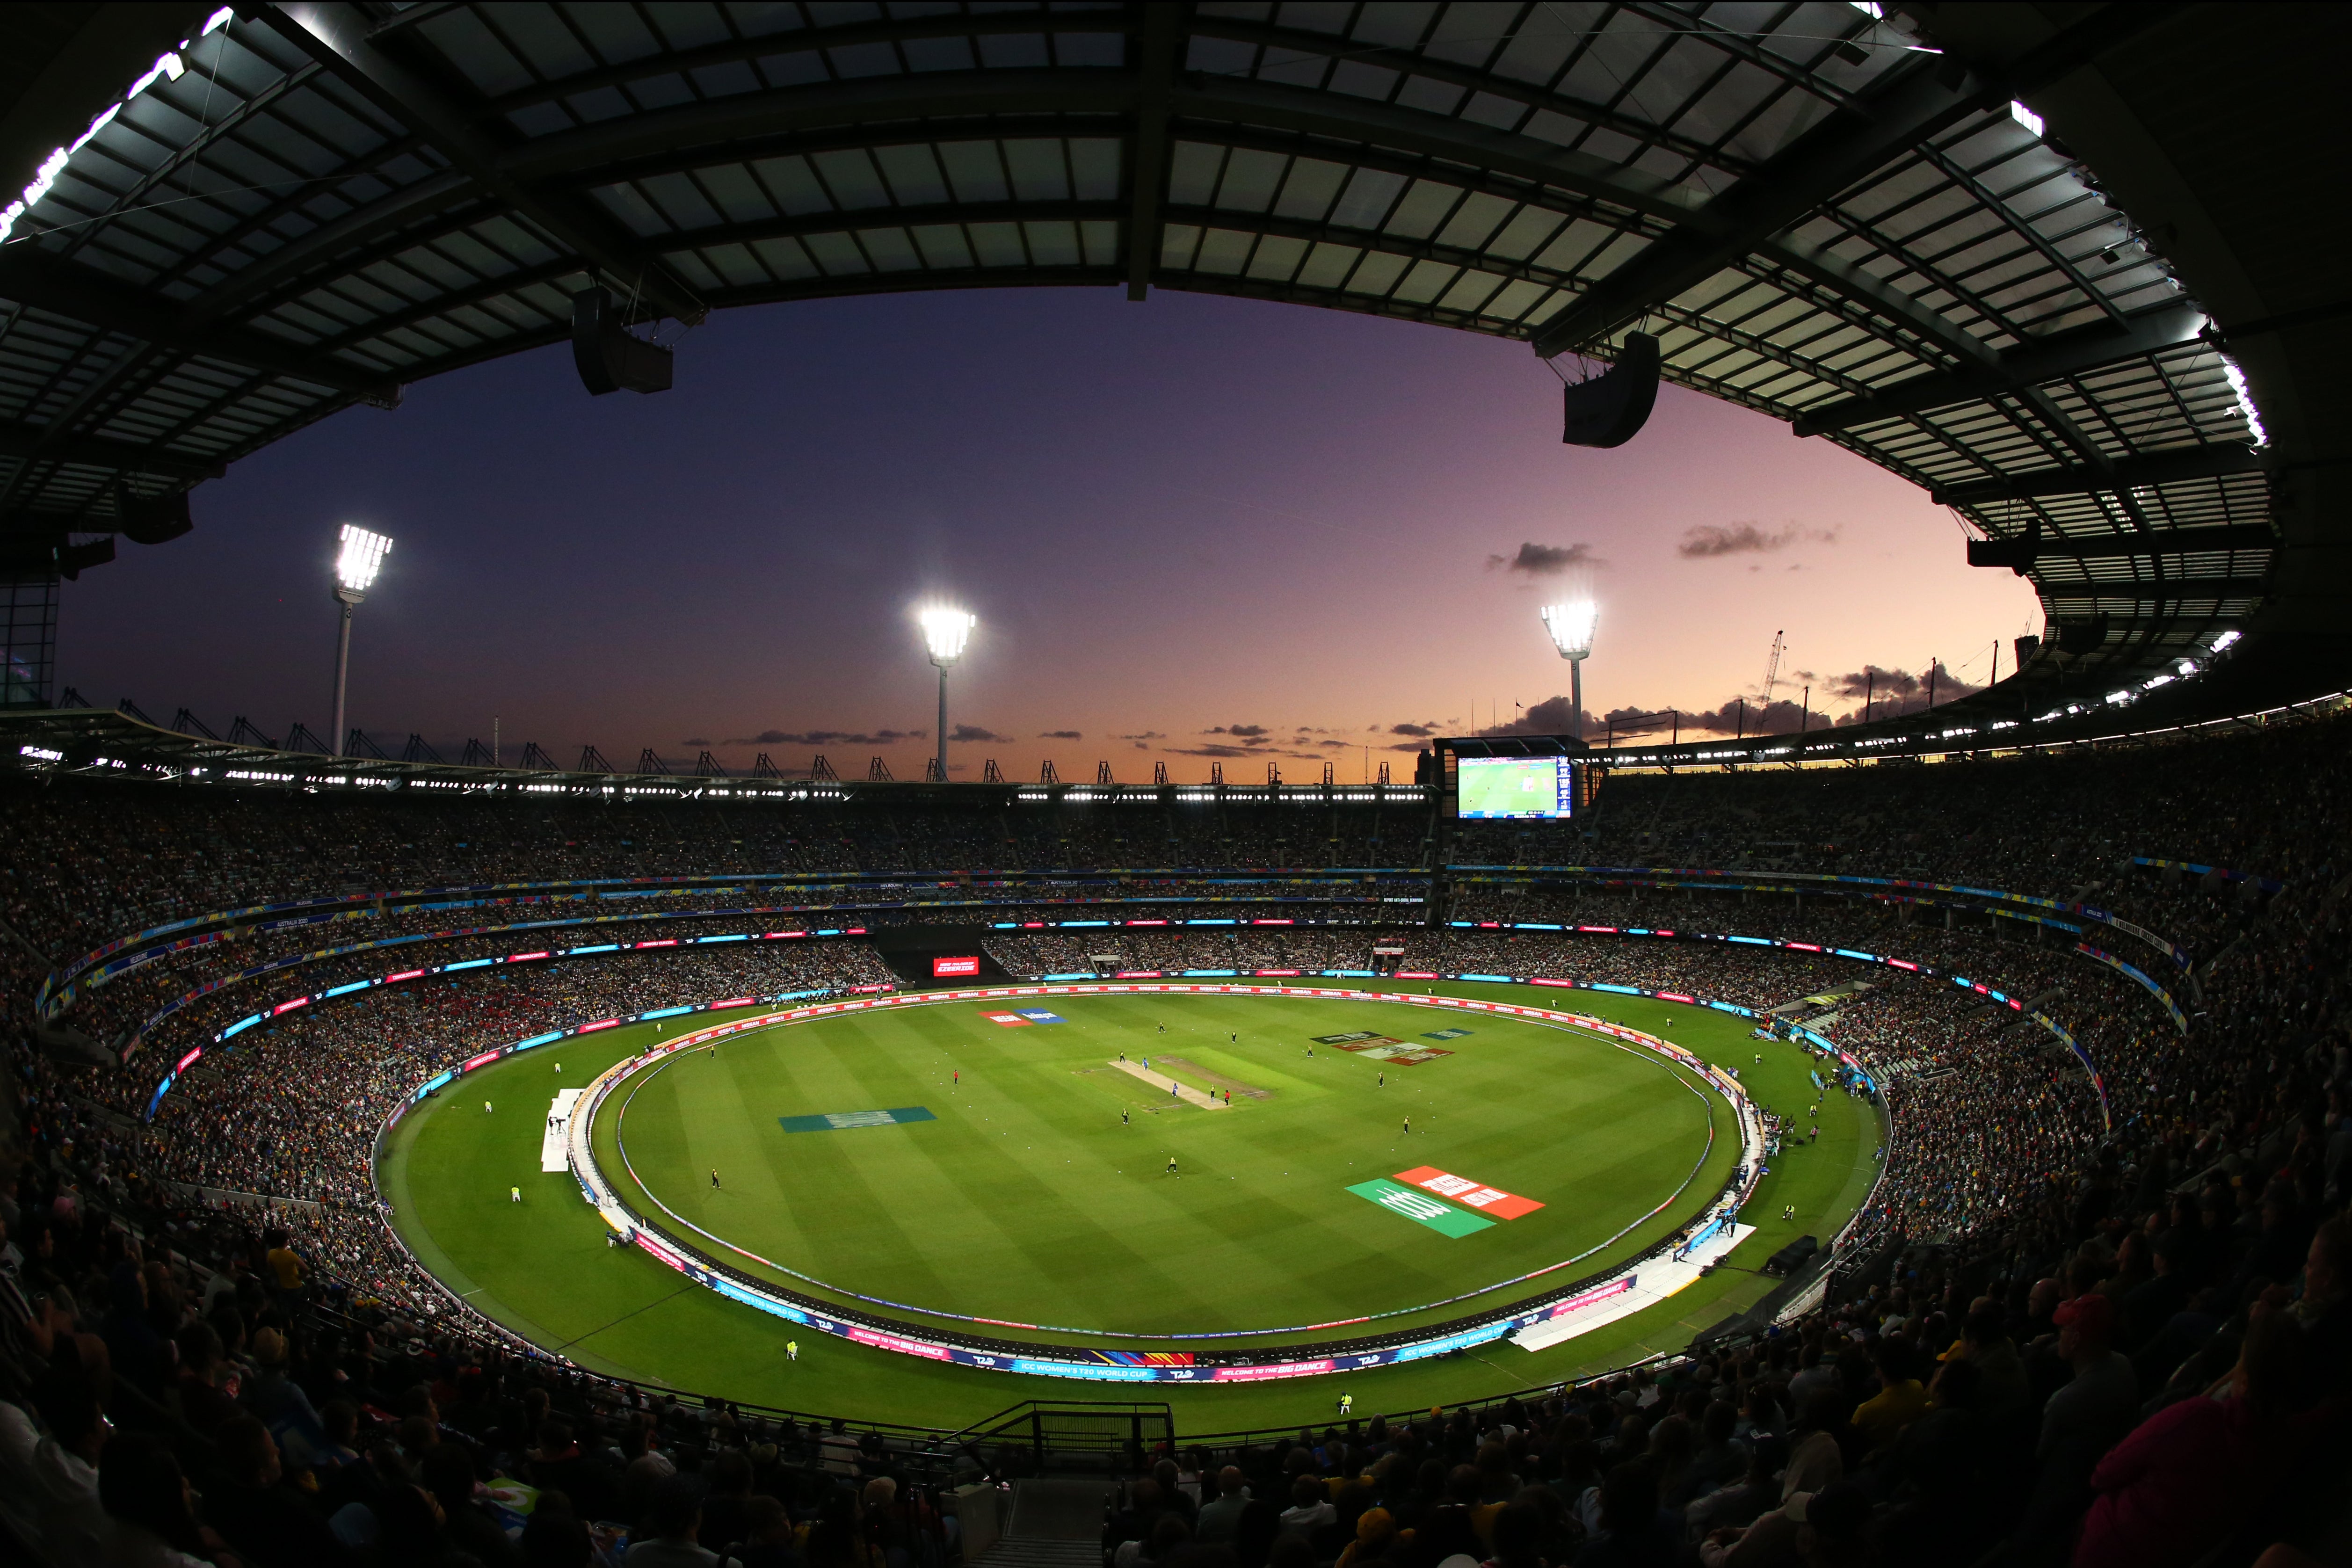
287 1113
200 1020
2270 805
128 1007
2044 1407
291 1107
208 977
82 863
183 1385
2103 1322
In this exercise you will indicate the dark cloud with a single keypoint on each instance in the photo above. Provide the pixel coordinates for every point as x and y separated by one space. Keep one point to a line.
1709 540
1249 734
1552 716
1545 560
1870 679
1214 751
1411 729
1146 735
974 733
1784 715
1891 693
827 738
694 741
1062 735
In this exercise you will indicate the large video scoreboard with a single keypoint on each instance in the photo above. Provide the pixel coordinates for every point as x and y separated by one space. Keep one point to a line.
1503 788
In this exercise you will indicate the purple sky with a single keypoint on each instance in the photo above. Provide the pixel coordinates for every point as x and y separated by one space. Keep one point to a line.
1194 527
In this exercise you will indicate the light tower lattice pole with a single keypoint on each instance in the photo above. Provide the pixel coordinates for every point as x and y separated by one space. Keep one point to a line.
1571 626
945 632
355 569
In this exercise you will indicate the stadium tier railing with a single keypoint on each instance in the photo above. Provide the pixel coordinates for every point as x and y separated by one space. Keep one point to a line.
93 970
126 953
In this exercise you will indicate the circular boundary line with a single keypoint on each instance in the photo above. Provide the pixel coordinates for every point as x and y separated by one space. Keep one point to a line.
1129 1366
637 1081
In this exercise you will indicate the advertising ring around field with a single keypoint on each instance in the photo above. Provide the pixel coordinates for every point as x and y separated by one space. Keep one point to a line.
1138 1366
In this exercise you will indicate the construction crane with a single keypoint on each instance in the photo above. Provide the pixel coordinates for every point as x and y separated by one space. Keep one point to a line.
1772 668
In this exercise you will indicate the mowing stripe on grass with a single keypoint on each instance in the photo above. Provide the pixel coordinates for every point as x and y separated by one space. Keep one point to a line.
1428 1211
839 1120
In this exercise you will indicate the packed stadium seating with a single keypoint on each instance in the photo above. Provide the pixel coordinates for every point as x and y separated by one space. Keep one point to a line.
2104 1319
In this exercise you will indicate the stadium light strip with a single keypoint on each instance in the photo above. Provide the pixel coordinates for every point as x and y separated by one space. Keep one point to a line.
266 1015
168 67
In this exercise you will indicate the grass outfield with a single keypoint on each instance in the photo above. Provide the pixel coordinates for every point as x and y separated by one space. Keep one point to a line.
1026 1199
543 1267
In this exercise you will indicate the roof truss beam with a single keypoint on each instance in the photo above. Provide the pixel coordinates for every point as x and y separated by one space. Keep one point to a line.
1159 49
2021 554
2053 359
1841 149
2124 473
2166 591
1865 135
336 36
1529 96
41 442
31 276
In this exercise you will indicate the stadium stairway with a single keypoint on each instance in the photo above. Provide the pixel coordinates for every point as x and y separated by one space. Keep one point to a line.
1054 1524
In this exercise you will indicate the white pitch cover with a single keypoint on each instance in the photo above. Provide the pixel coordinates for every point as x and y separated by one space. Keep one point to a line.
1654 1280
554 1143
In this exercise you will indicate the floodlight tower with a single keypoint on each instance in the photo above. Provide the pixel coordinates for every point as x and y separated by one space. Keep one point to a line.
944 632
1570 624
355 569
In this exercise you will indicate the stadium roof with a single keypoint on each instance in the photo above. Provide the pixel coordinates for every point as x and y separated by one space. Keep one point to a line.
2046 261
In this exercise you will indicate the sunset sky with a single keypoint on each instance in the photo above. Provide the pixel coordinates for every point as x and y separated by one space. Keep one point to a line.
1193 528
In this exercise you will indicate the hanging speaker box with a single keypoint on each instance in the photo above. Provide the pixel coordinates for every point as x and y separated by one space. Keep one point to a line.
607 357
1610 409
153 520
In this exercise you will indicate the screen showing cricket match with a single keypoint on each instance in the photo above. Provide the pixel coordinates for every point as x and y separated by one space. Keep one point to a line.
1495 787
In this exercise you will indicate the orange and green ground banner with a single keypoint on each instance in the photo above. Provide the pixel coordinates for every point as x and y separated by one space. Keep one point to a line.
1467 1193
1443 1219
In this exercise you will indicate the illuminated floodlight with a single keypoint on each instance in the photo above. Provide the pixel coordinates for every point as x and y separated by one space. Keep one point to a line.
1570 623
1571 626
2025 117
2226 638
2188 669
945 632
2246 409
363 557
355 569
